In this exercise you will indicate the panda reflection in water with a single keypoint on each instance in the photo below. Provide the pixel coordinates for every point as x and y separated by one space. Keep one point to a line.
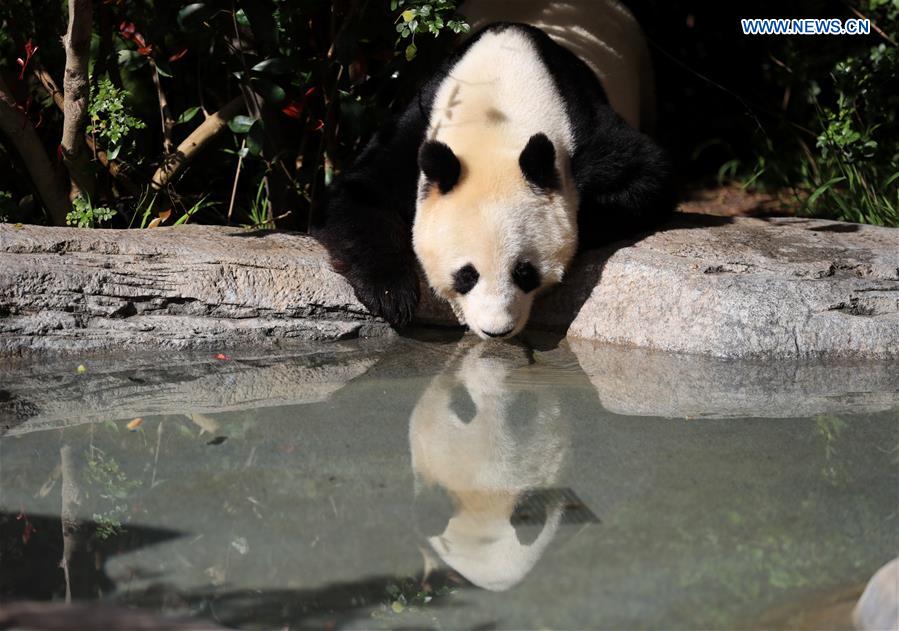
508 161
494 444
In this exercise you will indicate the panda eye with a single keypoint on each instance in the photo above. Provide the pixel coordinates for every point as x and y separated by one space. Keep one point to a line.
526 276
462 405
465 278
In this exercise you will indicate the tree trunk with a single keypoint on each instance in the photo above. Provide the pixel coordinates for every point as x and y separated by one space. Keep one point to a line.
72 527
76 89
16 126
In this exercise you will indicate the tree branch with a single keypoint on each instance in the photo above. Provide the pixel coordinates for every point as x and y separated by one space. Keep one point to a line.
174 163
16 126
165 112
76 92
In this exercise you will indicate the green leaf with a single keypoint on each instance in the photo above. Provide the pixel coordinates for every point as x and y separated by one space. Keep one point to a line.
163 69
822 189
241 123
192 14
256 138
187 115
270 91
131 60
411 50
275 66
113 153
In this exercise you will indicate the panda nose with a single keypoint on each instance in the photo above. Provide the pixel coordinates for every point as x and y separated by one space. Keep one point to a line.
500 334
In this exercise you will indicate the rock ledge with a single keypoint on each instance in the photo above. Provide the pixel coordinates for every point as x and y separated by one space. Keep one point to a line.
722 287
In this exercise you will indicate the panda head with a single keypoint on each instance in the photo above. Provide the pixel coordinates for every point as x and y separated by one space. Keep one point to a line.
495 225
485 436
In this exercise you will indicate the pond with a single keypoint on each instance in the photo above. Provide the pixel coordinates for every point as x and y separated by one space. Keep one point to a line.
437 481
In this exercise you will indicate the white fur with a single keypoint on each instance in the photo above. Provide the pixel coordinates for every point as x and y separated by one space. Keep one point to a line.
492 101
601 32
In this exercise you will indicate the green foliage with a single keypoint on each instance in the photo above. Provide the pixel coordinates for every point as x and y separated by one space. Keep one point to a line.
848 100
107 526
858 168
259 209
318 78
111 123
411 596
112 485
426 16
104 471
816 117
85 215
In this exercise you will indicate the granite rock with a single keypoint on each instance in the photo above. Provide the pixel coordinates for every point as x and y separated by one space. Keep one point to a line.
723 287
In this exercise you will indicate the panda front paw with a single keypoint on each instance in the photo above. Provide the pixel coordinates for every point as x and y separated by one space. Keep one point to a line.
391 294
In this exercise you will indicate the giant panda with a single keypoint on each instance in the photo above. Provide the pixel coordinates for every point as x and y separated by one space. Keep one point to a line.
492 437
507 163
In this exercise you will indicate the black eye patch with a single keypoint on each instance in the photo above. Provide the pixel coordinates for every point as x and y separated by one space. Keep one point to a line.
526 276
465 278
461 404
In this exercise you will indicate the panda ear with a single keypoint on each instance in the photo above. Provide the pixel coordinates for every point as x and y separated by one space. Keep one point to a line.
439 164
538 162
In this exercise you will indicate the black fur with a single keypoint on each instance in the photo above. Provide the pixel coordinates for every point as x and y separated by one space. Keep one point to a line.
624 181
465 278
538 163
439 165
526 276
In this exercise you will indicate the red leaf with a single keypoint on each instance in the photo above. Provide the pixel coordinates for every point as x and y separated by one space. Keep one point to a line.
127 29
30 50
319 124
178 55
222 357
27 532
146 51
293 109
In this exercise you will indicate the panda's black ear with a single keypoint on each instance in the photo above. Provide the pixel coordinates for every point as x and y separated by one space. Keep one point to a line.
439 164
538 162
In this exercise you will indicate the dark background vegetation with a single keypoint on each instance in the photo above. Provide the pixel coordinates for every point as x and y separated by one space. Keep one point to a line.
280 95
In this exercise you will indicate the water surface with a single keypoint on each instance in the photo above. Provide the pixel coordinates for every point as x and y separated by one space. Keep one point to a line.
448 483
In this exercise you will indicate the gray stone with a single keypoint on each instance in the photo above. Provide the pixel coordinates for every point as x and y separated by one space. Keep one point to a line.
640 382
725 287
878 608
742 287
189 287
191 384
